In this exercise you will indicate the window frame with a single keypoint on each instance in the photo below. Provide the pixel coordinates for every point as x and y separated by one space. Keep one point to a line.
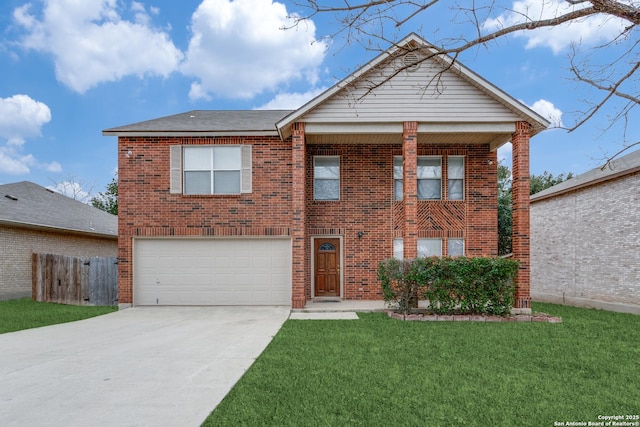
398 248
398 181
439 158
178 170
315 196
449 179
439 240
449 246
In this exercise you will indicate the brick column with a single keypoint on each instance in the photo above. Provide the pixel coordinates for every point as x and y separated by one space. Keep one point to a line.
521 222
410 184
299 223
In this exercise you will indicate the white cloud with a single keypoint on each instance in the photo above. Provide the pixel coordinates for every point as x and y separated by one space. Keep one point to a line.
547 110
92 44
12 164
71 189
291 101
53 167
21 117
238 49
588 30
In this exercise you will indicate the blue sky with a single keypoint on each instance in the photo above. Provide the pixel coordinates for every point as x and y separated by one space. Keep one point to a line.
71 68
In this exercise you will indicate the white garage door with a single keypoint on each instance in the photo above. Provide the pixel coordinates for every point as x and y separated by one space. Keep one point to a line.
212 272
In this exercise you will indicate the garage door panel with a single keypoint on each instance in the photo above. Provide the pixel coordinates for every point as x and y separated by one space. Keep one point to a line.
212 271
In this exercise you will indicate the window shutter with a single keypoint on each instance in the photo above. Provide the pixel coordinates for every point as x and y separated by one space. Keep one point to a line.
246 172
175 166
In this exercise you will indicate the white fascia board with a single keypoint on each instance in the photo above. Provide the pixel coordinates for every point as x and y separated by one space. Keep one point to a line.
191 133
453 127
352 128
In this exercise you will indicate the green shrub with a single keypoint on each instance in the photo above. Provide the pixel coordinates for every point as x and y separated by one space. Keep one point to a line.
452 285
400 288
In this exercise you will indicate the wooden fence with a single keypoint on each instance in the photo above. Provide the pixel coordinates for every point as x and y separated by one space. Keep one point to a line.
75 280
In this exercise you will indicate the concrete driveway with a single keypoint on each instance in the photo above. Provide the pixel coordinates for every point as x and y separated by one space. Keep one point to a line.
144 366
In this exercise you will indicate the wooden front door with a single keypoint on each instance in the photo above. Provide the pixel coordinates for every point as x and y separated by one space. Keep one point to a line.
327 267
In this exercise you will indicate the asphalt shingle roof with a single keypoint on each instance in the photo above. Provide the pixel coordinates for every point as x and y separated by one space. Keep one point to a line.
203 121
623 166
31 205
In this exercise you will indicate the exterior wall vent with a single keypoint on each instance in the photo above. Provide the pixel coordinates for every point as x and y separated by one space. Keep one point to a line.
410 61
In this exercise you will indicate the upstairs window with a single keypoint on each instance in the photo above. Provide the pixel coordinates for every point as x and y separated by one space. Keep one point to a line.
429 178
455 172
206 169
326 177
398 188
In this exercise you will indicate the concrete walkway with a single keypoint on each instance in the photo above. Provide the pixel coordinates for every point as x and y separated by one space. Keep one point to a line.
144 366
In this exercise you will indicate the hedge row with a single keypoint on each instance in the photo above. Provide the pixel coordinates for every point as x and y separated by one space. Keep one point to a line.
451 285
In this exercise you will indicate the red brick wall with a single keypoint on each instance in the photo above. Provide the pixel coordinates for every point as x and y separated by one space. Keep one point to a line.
146 208
366 204
521 218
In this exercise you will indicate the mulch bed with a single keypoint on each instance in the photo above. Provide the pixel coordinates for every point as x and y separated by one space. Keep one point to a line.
430 317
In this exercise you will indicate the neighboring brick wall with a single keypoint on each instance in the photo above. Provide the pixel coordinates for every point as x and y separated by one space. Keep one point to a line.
586 243
17 246
148 209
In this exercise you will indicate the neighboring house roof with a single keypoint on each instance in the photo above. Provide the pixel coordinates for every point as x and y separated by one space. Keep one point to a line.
616 168
28 205
206 123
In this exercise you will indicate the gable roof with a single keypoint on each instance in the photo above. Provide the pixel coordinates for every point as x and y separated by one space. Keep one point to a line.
28 205
625 165
415 43
490 120
206 123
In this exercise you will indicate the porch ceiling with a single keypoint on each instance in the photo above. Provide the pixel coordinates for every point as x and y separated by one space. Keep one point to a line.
494 139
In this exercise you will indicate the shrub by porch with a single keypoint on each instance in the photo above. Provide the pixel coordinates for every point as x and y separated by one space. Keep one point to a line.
458 285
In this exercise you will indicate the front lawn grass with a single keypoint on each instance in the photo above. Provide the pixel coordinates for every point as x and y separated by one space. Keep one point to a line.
24 313
379 371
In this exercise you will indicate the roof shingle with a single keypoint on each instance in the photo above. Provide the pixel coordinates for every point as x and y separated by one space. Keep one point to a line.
25 204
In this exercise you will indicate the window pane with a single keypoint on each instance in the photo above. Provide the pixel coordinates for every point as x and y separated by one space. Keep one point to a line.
197 158
398 248
397 189
456 167
429 189
226 182
456 247
197 182
227 158
326 167
456 191
397 167
429 167
327 189
429 247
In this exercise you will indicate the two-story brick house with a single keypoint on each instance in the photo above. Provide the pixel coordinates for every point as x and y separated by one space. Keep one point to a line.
282 207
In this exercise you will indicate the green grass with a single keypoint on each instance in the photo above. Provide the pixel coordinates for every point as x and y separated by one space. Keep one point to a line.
379 371
19 314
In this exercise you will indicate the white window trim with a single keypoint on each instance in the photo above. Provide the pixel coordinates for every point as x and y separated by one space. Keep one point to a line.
400 242
176 169
432 239
463 179
430 179
398 179
463 246
327 179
